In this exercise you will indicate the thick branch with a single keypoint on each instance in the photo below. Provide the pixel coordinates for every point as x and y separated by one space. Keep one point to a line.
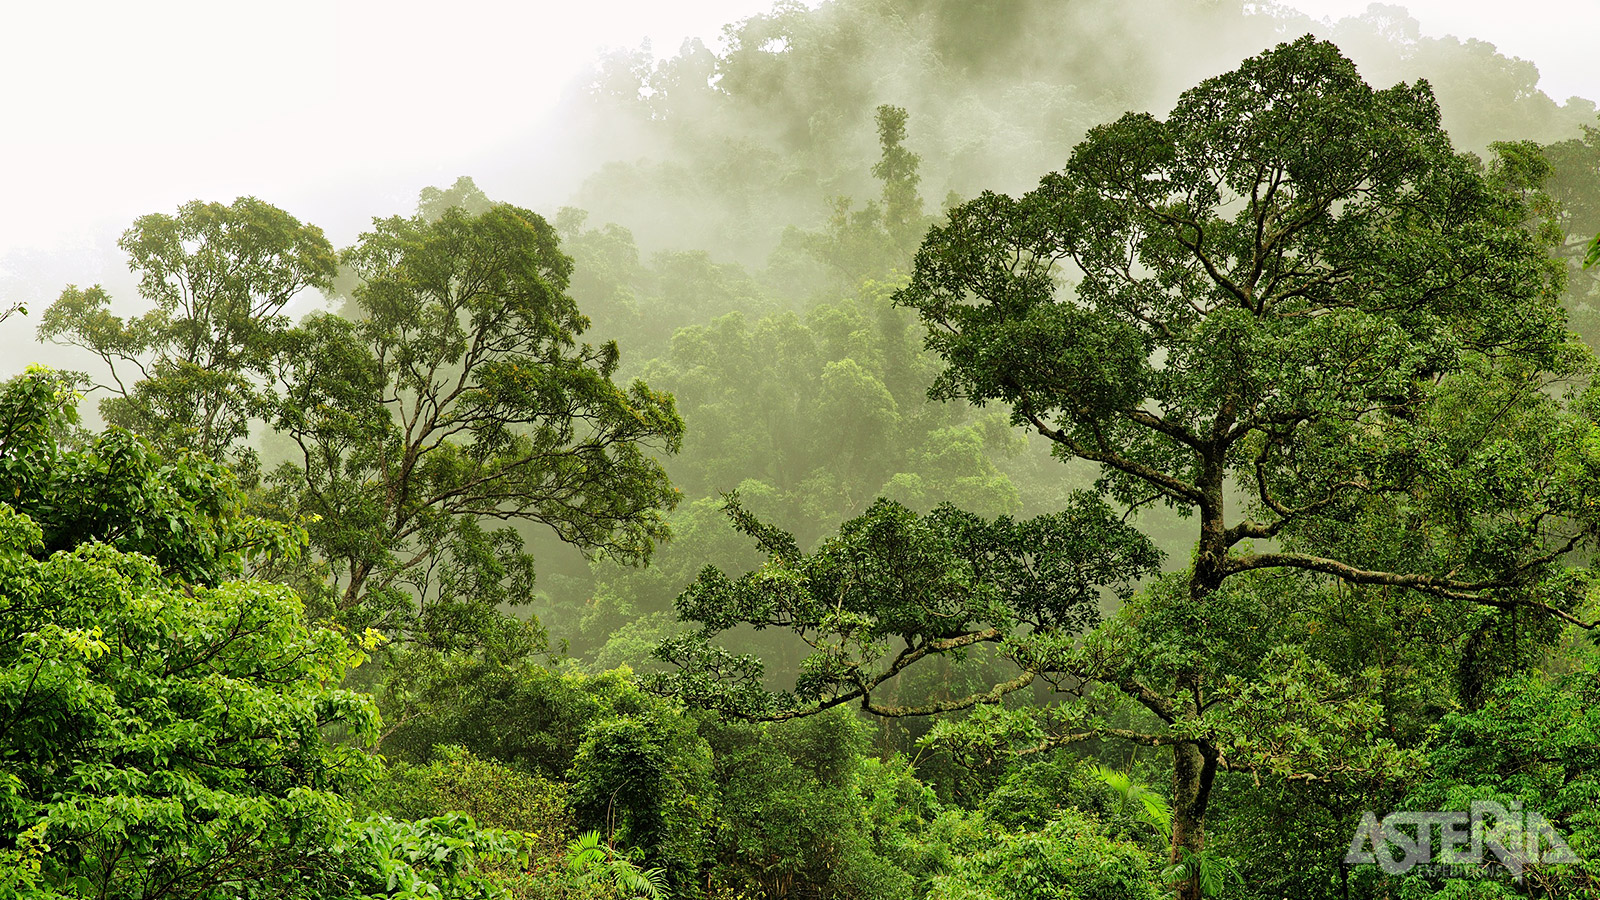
1162 481
1449 588
944 706
1078 737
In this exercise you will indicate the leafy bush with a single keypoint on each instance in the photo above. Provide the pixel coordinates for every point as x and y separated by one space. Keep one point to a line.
1069 859
164 727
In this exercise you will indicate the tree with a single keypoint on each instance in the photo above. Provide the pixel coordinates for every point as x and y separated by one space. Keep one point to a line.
460 398
1535 746
186 373
807 808
897 169
464 194
1574 183
1290 297
645 781
1291 286
859 244
183 513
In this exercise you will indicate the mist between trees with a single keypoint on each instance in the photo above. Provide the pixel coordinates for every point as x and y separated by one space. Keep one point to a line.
911 474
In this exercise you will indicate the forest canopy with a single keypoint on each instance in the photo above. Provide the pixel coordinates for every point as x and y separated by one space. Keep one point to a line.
963 451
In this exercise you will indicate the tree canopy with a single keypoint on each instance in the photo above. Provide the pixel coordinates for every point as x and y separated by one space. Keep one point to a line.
186 373
456 398
892 589
1291 311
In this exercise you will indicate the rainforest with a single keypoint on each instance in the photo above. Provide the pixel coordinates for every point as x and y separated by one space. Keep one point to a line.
938 450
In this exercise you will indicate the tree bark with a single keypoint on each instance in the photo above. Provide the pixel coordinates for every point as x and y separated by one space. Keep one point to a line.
1194 763
1194 767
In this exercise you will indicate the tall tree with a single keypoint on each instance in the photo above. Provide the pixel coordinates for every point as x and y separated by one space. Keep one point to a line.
1288 286
897 169
1293 313
456 406
871 242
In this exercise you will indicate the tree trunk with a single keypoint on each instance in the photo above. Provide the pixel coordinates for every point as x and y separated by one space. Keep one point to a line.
1194 767
358 581
1194 763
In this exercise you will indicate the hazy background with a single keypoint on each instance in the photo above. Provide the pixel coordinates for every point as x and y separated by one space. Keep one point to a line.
340 111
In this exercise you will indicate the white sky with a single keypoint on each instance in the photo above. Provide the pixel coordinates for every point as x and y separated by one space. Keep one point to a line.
110 109
1561 37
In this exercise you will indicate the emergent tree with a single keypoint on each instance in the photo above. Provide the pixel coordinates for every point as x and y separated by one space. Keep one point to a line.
1291 312
1288 287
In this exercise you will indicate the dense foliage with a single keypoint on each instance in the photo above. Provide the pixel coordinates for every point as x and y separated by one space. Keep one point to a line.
166 723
